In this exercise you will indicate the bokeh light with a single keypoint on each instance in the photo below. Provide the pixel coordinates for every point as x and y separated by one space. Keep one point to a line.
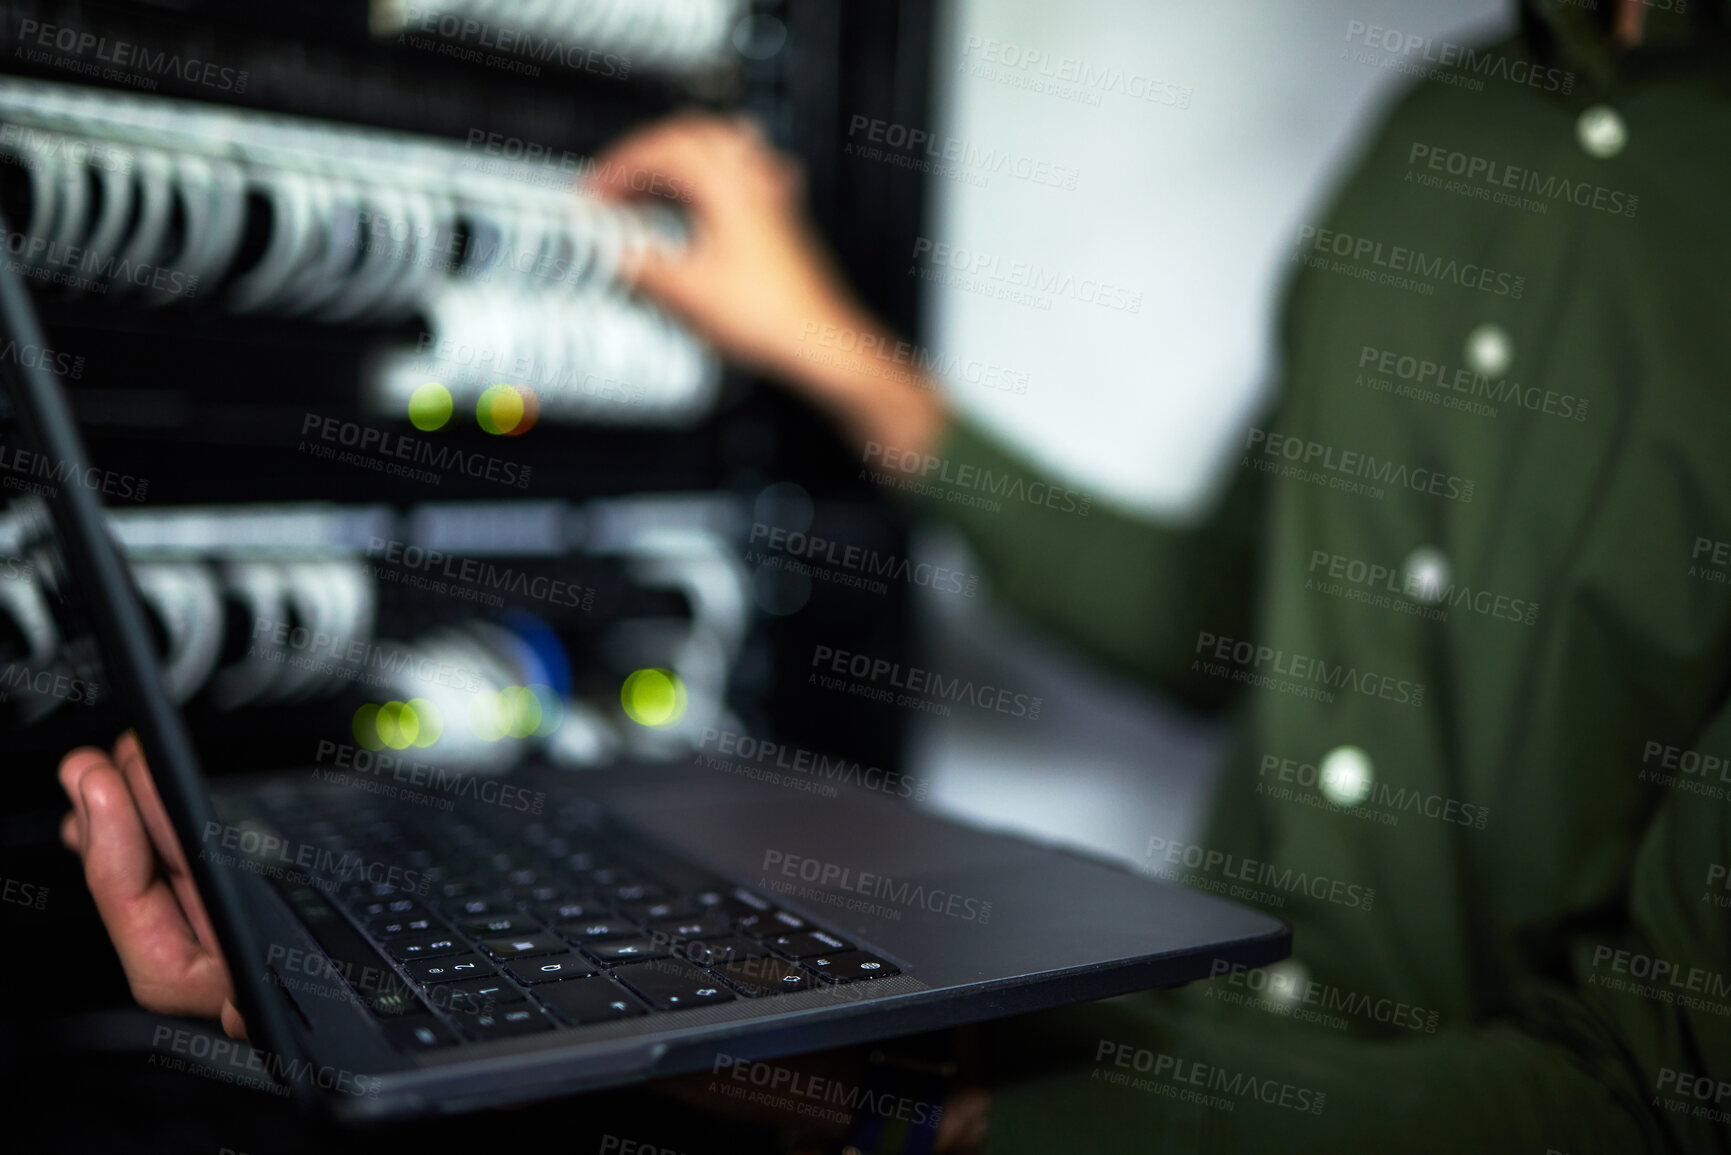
507 410
366 728
398 726
489 715
428 723
430 407
653 697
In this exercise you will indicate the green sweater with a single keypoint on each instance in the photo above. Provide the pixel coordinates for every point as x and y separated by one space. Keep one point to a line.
1467 604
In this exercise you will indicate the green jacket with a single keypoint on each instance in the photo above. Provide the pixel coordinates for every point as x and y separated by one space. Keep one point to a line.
1467 600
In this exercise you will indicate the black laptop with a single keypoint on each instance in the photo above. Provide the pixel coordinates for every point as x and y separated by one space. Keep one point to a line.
630 924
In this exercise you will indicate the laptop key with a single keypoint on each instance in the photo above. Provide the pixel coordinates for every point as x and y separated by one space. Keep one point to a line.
422 946
810 944
770 923
494 987
598 930
680 929
493 925
720 951
508 1022
393 907
573 910
851 966
628 950
449 969
660 909
592 1000
552 969
766 976
523 946
671 985
477 906
396 926
418 1033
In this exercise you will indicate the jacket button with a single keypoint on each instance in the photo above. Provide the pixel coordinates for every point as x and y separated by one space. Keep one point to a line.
1489 351
1425 575
1284 984
1601 131
1345 776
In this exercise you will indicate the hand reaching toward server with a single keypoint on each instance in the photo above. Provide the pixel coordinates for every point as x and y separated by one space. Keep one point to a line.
756 281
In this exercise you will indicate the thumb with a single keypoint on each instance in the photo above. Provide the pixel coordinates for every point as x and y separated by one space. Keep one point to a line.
232 1023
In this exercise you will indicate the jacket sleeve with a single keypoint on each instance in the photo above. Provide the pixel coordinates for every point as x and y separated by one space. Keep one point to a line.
1622 1043
1132 593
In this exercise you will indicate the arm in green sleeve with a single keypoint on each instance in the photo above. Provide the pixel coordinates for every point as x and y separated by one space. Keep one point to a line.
1130 592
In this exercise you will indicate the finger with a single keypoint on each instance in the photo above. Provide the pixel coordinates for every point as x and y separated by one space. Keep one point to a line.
69 837
130 755
166 966
72 768
232 1023
660 274
964 1123
680 151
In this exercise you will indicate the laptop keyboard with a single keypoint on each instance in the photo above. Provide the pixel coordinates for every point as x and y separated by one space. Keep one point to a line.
458 928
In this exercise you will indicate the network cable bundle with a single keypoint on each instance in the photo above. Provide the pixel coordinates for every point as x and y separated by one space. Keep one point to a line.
401 465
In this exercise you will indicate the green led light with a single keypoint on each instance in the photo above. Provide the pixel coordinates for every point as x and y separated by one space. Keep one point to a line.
430 407
653 697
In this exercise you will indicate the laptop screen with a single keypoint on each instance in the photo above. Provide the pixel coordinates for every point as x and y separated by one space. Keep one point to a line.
78 659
